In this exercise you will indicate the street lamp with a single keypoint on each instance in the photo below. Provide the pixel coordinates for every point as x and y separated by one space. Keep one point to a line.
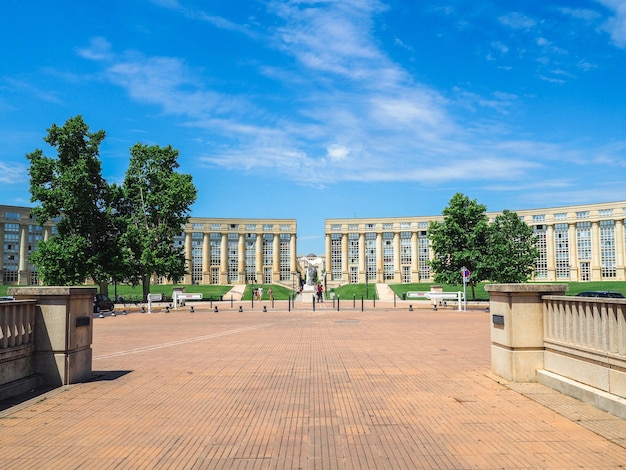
367 275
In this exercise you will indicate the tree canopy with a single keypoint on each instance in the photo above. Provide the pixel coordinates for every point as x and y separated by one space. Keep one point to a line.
512 249
156 207
71 190
460 240
501 251
105 231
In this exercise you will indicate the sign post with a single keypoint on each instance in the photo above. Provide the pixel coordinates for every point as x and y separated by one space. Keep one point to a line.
466 274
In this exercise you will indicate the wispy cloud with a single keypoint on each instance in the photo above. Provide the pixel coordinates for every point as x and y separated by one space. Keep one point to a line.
616 25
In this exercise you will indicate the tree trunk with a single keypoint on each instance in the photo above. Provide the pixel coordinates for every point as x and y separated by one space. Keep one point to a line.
104 287
146 286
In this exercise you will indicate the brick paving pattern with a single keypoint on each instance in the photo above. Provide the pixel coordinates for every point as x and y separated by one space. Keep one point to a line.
380 389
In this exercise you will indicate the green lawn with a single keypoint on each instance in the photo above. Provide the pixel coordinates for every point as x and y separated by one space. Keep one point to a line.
349 291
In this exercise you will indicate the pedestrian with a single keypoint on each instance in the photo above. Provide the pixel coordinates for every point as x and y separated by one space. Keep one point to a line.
261 293
270 292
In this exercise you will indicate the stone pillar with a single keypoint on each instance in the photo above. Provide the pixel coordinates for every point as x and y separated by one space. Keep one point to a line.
188 258
345 259
362 272
379 256
224 259
414 258
63 331
550 253
572 244
596 269
517 346
397 275
206 258
22 270
241 260
619 250
276 256
2 257
293 255
260 273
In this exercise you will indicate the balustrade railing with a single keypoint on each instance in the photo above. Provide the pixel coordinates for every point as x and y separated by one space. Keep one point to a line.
17 324
593 324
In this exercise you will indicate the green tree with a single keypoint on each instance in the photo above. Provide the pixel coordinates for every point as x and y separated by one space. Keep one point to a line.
460 240
156 206
70 189
512 249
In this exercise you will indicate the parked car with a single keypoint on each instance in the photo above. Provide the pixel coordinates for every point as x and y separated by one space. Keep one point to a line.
101 303
603 294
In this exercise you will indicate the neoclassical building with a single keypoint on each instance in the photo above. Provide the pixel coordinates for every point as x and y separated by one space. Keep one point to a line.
218 251
576 243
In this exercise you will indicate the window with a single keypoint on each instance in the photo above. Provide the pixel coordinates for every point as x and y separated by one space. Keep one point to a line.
285 257
215 248
423 255
268 249
405 248
607 249
582 215
353 227
388 256
216 227
233 257
353 249
583 235
539 218
196 257
251 227
387 226
560 216
197 226
335 256
561 247
605 212
370 255
335 228
422 225
268 227
251 257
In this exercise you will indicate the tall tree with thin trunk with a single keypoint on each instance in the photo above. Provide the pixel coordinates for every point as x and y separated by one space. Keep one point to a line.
157 201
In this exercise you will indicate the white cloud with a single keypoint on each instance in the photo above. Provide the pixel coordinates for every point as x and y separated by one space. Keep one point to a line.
616 25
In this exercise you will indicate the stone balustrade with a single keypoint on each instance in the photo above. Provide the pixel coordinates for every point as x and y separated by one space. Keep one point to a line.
576 345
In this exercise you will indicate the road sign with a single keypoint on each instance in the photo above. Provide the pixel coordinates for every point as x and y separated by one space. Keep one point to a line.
465 272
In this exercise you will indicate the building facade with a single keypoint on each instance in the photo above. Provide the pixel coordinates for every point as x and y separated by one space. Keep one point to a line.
218 251
576 243
240 251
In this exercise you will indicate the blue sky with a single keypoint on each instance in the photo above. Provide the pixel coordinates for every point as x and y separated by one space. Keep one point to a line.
324 109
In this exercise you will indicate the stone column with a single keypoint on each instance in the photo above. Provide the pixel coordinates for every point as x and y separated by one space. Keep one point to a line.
619 250
596 270
63 331
379 256
572 244
206 258
241 261
293 255
517 348
414 258
397 275
362 272
260 272
550 253
345 259
276 256
224 259
22 270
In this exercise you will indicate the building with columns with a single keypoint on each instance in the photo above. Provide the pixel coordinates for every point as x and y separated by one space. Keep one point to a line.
240 251
576 243
218 251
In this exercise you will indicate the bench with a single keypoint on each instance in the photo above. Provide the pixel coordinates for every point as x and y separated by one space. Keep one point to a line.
437 297
180 297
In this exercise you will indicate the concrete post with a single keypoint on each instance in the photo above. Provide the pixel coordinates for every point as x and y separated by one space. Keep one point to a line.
63 331
517 346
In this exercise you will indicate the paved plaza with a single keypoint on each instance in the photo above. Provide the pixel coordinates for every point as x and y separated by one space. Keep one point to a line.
384 388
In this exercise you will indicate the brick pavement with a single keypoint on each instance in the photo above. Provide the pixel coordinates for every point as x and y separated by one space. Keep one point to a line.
377 389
